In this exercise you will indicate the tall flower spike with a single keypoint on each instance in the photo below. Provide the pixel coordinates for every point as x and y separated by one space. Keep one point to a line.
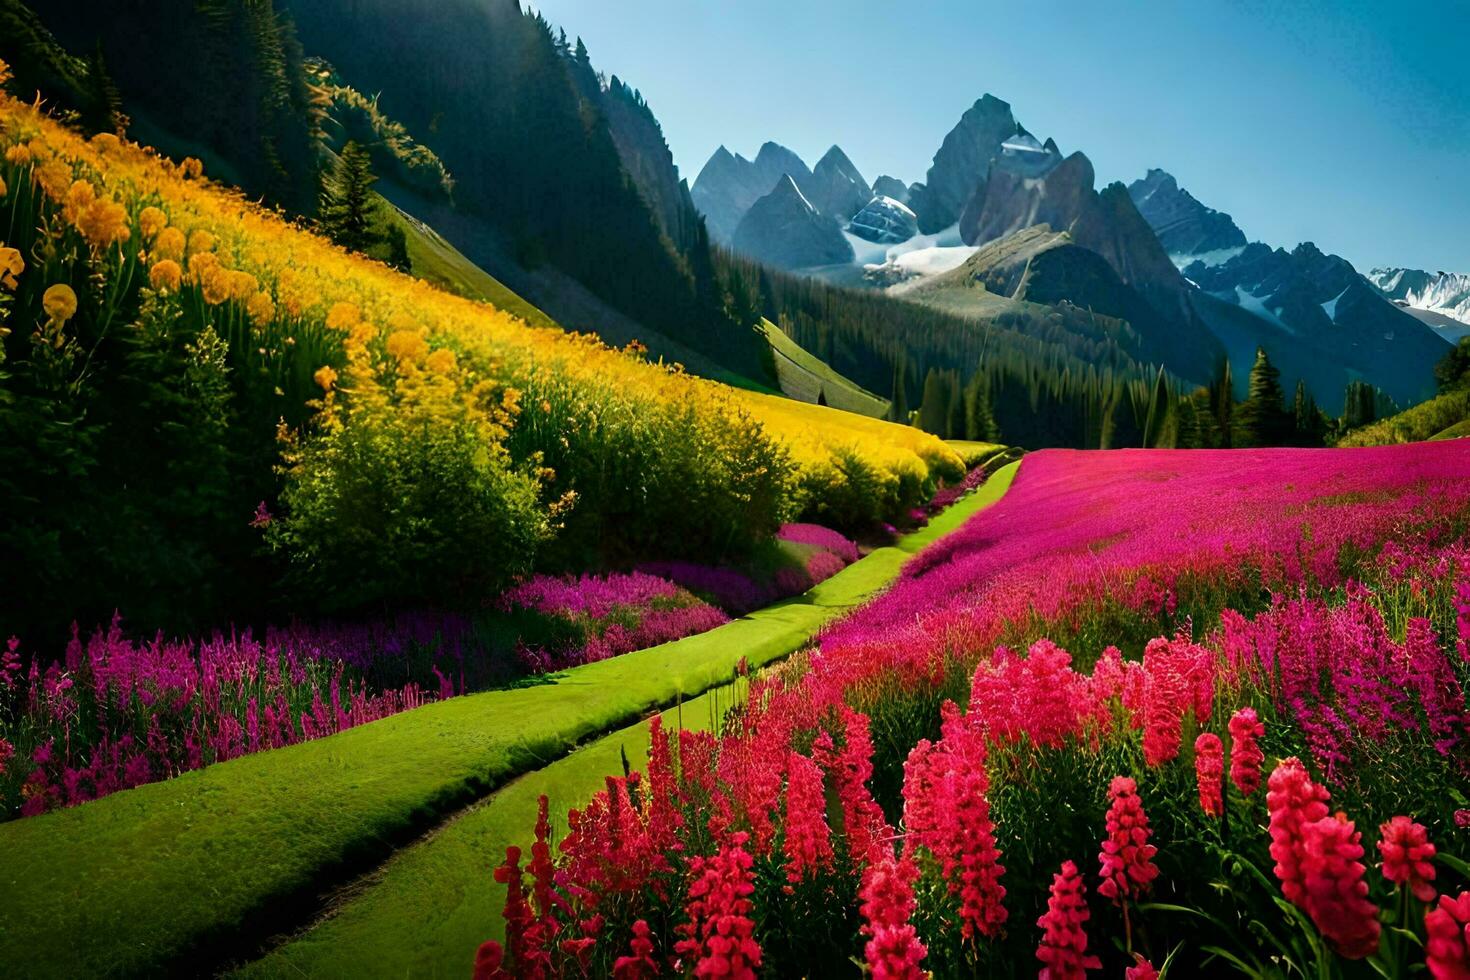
1127 866
808 842
1292 800
1245 751
1336 894
1063 949
893 950
1447 942
1209 773
1407 855
719 937
639 963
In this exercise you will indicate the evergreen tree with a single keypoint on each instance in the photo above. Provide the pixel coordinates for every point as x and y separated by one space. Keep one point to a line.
979 413
1158 410
346 213
1359 406
1222 401
1262 420
104 113
934 407
898 410
1311 426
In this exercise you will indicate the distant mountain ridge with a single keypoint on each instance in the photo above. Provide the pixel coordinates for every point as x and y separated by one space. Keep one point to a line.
1446 294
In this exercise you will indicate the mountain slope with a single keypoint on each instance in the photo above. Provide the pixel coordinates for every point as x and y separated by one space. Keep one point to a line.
1320 301
729 184
786 230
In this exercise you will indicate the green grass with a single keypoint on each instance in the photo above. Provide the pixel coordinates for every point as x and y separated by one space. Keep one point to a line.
194 870
440 263
804 376
974 453
433 903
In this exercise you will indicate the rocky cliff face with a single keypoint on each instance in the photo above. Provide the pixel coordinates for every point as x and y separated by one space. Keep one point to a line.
785 229
1064 199
962 163
884 221
729 184
1183 225
838 189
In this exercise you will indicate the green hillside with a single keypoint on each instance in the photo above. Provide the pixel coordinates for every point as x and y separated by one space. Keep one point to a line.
808 378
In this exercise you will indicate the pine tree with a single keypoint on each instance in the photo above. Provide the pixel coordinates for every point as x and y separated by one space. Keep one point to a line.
1311 427
934 408
899 407
104 110
1222 401
1359 405
1262 420
1158 410
347 214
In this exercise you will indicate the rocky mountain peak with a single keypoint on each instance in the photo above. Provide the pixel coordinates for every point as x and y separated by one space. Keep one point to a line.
1185 226
837 186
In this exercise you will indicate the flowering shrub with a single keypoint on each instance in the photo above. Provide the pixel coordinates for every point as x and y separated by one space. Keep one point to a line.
606 616
118 713
945 825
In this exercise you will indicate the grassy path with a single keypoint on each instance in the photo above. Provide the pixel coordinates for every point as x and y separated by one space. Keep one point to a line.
426 910
193 872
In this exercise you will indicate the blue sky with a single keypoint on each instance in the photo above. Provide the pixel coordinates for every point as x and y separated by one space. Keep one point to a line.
1345 123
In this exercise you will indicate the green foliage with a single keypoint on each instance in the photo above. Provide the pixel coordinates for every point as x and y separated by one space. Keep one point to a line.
391 508
1453 370
1424 421
649 477
350 214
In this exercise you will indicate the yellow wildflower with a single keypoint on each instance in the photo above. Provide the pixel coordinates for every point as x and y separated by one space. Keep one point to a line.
107 142
165 276
19 155
407 345
80 196
243 286
201 262
151 221
261 309
214 283
325 377
12 264
361 334
191 168
59 302
103 223
343 316
3 189
441 361
201 241
170 244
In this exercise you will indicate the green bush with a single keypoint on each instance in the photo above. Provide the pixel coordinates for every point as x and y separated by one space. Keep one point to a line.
390 509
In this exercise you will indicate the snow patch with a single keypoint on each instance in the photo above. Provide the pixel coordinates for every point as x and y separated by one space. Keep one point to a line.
1211 258
934 260
1252 303
1330 307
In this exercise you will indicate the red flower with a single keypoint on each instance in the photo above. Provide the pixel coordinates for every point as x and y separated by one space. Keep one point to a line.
1292 800
1063 949
1127 856
893 951
808 839
719 936
1178 678
851 768
947 812
1336 894
488 960
1209 773
523 934
1406 851
1447 942
1142 969
1245 752
639 962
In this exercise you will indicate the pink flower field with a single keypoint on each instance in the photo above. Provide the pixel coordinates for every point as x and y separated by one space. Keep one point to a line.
1189 708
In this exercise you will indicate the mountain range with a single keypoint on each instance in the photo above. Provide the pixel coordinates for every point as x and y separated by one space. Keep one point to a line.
1003 215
